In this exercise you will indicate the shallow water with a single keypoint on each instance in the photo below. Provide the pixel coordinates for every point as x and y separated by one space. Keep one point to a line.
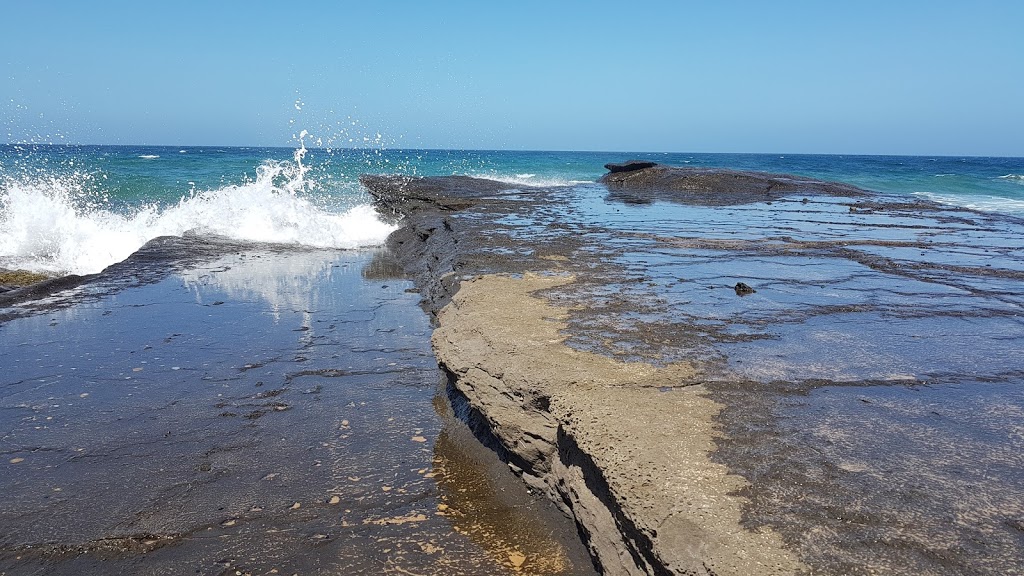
934 473
262 410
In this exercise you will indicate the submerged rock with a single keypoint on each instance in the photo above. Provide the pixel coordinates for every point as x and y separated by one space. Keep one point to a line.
743 289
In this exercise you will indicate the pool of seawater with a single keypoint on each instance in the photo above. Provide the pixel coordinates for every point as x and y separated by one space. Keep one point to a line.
892 478
262 412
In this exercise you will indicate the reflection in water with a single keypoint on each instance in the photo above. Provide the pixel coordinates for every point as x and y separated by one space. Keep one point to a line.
383 266
266 412
290 283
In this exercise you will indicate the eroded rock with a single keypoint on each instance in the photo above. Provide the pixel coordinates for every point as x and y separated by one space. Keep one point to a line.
723 469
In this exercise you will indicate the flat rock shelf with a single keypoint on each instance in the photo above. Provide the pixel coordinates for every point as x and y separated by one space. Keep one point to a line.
225 409
718 372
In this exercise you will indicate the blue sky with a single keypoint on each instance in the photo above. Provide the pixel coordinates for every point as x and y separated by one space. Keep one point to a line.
817 77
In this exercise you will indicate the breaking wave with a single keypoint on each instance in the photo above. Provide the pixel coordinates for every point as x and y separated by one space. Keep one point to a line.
527 179
56 225
984 203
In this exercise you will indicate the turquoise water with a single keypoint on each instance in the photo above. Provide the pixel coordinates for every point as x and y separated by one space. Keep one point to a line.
78 209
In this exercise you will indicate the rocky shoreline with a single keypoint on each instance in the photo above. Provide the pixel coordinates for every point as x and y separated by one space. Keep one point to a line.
600 354
710 371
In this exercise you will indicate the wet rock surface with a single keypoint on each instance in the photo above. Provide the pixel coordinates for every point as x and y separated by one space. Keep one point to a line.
859 410
211 408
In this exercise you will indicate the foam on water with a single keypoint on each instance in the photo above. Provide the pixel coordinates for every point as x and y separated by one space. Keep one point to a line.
530 179
51 224
984 203
1018 178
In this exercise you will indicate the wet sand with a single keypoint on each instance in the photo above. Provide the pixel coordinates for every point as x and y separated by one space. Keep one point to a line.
219 409
798 379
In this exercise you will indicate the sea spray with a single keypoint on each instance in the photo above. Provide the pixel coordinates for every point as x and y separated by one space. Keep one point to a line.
46 227
60 225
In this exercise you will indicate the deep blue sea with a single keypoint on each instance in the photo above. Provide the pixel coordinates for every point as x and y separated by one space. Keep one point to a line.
78 209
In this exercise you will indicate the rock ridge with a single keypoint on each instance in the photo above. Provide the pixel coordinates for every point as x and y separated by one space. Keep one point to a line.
574 424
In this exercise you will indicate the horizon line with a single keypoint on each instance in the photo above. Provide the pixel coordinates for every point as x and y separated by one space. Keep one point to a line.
527 150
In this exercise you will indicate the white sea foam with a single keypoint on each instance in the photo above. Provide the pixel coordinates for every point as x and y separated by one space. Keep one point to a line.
530 179
48 225
149 156
1018 178
984 203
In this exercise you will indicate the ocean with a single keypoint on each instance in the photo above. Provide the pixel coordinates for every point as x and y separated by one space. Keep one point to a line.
78 209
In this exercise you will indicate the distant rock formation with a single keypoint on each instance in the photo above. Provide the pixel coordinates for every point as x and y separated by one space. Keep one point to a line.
639 182
630 165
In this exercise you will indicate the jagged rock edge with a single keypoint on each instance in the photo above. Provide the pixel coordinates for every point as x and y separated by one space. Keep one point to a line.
424 246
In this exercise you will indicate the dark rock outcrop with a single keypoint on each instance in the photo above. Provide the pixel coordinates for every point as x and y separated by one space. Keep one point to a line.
406 194
743 289
629 166
641 182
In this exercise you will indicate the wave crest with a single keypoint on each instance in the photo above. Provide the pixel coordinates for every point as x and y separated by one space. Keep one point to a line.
984 203
55 225
527 179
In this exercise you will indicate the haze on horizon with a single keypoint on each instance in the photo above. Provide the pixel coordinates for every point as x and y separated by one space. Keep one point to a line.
918 78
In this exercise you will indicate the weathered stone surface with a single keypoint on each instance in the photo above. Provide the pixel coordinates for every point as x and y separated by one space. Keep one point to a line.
603 352
594 433
628 460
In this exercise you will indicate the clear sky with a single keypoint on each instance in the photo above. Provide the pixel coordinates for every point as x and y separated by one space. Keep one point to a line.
890 77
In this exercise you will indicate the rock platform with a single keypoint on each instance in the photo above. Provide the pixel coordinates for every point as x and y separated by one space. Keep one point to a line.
717 372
